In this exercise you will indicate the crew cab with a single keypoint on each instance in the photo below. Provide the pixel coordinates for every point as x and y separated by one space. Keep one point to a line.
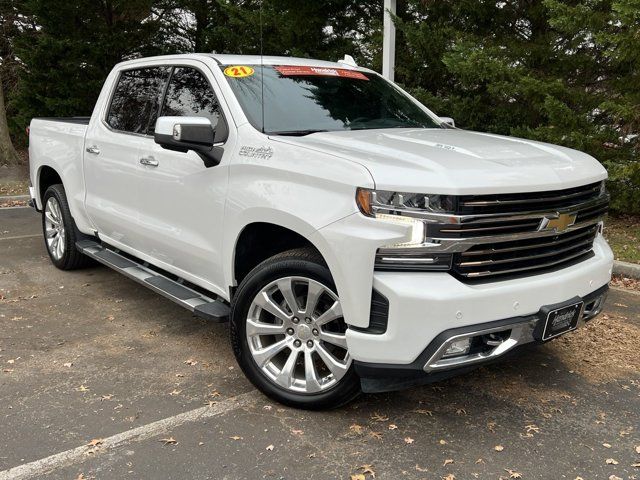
354 240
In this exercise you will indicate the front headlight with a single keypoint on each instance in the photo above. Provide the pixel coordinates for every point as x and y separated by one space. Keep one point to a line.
405 209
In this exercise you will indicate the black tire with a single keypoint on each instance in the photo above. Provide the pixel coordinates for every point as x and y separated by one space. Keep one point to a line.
71 259
305 262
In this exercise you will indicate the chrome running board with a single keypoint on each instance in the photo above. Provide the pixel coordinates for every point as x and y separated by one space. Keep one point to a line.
203 306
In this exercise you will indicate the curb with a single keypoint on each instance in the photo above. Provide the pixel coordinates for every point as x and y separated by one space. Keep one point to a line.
626 269
13 198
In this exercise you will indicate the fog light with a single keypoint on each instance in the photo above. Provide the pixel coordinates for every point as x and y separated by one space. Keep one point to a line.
457 348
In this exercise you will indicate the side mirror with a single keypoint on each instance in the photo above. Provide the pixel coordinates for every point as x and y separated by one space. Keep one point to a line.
182 134
448 121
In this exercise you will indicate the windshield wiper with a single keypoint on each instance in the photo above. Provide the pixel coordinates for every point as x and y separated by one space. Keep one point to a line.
296 133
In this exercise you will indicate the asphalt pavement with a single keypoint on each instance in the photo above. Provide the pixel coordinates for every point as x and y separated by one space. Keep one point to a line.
102 378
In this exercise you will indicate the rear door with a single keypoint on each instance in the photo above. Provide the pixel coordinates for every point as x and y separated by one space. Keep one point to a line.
113 145
181 200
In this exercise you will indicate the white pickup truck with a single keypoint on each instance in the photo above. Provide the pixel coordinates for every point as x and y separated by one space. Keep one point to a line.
354 240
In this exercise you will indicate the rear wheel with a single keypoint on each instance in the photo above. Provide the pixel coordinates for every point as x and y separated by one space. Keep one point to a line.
289 335
60 232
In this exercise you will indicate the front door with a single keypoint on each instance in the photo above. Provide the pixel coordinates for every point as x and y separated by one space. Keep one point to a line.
181 202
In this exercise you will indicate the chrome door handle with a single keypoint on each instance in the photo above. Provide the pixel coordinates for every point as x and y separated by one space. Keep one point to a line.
149 161
93 149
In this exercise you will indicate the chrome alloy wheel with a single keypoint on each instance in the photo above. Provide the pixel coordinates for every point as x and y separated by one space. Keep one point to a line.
54 228
297 335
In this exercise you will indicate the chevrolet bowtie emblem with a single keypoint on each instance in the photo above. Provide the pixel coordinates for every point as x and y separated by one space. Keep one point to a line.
558 223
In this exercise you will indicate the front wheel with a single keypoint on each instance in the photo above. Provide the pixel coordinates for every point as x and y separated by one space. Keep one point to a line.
289 335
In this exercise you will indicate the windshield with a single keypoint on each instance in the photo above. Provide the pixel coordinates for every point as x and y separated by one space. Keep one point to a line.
299 100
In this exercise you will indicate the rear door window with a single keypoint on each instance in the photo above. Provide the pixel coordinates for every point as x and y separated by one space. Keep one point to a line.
190 95
136 100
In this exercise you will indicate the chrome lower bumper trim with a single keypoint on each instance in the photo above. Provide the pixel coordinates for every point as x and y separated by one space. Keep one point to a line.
516 334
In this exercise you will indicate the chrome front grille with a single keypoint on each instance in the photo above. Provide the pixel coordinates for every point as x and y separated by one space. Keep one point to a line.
526 202
495 237
525 256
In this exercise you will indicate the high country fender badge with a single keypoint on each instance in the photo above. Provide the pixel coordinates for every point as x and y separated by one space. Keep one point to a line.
559 223
256 152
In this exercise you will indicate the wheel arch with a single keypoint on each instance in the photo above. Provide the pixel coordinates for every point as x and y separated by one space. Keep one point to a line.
258 240
47 176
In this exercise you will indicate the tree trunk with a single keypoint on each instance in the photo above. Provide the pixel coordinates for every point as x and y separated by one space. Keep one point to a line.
8 154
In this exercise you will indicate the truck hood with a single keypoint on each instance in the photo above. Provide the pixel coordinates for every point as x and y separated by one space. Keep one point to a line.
453 161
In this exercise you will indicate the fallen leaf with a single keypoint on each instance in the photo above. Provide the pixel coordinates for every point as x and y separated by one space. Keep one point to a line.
461 411
68 365
532 428
11 361
367 470
422 411
393 426
448 461
191 362
614 477
636 465
81 477
236 437
442 442
420 469
175 392
606 445
479 461
269 448
408 440
214 394
637 448
358 476
451 476
297 432
513 473
82 388
376 435
498 448
376 417
355 428
95 442
106 397
611 461
168 441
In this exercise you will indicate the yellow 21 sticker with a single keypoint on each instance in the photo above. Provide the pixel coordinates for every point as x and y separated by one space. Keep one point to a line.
238 71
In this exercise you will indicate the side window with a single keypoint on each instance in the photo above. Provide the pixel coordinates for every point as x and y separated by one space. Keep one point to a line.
136 100
190 95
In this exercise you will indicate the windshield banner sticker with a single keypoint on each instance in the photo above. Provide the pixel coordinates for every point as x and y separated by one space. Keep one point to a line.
296 70
238 71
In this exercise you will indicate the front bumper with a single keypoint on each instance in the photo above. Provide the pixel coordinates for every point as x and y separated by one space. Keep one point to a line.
432 366
424 305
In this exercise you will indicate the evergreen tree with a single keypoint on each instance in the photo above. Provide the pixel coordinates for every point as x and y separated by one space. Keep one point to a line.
75 46
561 72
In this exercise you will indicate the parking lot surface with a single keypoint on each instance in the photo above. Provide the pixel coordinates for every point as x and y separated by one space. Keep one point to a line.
102 378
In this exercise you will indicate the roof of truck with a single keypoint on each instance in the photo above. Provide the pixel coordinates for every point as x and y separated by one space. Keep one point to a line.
227 59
